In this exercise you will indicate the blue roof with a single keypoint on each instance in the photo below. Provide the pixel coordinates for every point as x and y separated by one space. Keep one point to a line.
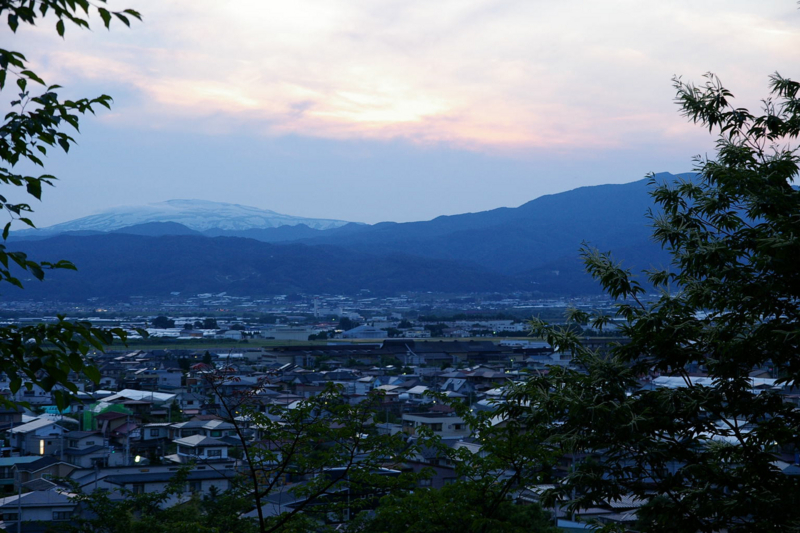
11 461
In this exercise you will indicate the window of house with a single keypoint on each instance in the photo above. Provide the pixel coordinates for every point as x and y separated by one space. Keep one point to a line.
73 443
424 483
138 488
62 515
10 516
154 433
90 443
214 453
216 433
195 486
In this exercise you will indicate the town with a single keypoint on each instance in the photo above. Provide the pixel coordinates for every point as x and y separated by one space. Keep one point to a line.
156 411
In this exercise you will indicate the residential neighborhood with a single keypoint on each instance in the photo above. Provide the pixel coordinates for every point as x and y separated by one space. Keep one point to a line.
161 412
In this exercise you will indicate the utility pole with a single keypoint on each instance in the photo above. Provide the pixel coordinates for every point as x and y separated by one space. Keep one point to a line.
19 502
128 442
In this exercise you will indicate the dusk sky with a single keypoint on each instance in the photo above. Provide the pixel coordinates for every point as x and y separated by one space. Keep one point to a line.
393 110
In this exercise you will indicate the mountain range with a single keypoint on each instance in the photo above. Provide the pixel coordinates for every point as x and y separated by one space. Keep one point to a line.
532 248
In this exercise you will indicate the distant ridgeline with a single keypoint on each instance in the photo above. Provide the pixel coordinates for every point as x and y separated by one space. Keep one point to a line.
532 248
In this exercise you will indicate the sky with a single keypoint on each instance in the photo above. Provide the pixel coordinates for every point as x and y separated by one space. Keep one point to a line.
392 110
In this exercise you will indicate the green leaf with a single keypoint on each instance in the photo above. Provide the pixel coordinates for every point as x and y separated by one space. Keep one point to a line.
105 15
92 373
64 143
60 27
36 270
34 188
75 362
32 76
123 18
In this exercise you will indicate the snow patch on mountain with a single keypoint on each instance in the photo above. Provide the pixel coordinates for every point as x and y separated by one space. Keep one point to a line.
199 215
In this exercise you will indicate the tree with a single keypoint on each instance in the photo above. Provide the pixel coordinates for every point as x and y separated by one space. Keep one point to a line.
323 454
458 506
702 455
209 323
346 324
437 330
37 122
503 457
394 332
163 322
123 511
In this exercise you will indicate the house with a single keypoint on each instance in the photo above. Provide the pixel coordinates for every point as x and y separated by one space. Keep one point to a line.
8 471
441 425
159 379
154 479
418 394
38 437
459 385
10 417
234 334
364 385
87 449
190 402
36 395
47 467
209 428
110 422
199 447
158 398
33 511
365 332
155 431
288 497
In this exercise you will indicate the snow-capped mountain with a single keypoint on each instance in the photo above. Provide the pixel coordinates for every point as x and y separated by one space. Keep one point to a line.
199 215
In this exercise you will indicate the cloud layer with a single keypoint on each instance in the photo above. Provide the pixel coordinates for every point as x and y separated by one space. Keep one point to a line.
475 73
